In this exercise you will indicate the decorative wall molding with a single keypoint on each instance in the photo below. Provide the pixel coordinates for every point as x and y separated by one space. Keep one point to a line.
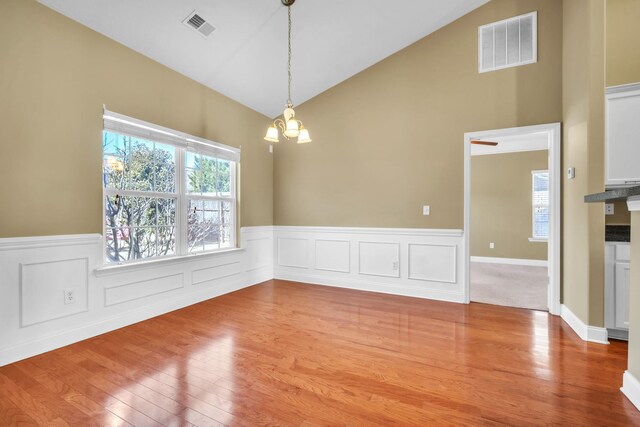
435 263
142 289
379 258
510 261
431 232
43 281
36 271
376 260
631 388
16 243
585 332
333 255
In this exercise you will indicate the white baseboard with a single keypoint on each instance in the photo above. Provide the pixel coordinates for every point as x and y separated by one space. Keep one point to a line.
510 261
368 286
631 388
585 332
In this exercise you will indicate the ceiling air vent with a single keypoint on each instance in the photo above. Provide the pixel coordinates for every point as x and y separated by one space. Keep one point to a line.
198 23
508 43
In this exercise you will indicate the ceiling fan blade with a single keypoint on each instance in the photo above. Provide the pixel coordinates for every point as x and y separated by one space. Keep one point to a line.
490 143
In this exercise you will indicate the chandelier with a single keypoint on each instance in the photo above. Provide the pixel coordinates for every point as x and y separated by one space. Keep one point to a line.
291 127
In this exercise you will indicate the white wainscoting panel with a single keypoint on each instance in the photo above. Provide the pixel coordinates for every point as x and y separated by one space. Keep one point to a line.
43 285
293 252
333 255
379 259
221 271
35 271
259 253
412 262
435 263
141 289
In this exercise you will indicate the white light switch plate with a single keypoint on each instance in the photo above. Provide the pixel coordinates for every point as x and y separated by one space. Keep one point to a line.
426 210
492 245
571 173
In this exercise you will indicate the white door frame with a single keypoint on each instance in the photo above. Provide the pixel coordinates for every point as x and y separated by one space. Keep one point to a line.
555 178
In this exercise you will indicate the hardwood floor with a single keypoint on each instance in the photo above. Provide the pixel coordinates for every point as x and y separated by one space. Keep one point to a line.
284 353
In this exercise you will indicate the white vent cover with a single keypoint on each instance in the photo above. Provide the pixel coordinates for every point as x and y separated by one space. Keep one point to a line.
508 43
198 23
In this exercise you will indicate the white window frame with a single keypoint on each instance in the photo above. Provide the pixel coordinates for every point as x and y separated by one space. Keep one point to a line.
535 238
183 143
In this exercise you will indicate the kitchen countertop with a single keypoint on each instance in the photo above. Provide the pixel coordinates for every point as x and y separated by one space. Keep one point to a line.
617 194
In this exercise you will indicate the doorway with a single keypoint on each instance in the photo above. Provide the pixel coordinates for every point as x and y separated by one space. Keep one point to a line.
528 269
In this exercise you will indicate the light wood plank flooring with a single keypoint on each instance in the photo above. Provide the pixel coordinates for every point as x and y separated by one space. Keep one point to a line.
284 353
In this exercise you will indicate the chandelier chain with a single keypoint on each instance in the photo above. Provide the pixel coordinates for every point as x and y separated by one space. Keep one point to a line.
289 102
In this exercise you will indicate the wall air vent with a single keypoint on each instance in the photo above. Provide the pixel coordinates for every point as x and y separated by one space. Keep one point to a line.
198 23
508 43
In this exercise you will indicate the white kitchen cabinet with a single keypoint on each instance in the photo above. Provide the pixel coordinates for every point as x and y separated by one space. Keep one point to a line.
617 289
621 292
622 142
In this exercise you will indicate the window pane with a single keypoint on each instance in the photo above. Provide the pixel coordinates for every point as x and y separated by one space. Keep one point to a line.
541 222
166 240
117 244
140 165
143 243
226 212
165 168
113 172
207 175
225 238
113 143
223 178
114 214
212 238
166 212
203 223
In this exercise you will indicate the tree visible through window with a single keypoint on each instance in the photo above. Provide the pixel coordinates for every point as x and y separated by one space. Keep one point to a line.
162 200
540 201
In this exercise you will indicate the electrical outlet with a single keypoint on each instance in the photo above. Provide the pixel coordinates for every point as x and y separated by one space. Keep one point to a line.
395 265
69 296
608 209
425 210
492 245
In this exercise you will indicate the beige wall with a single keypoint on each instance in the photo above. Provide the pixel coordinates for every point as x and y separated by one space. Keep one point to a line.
622 63
390 139
621 215
623 42
583 148
55 77
501 208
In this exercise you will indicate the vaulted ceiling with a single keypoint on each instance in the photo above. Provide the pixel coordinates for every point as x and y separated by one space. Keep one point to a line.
245 57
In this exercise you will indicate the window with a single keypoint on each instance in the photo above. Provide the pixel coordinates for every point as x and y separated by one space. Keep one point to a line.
540 202
165 193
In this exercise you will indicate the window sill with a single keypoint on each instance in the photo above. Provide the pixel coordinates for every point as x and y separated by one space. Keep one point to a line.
538 239
108 270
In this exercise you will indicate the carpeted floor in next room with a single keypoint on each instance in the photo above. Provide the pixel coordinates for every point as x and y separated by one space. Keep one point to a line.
509 285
